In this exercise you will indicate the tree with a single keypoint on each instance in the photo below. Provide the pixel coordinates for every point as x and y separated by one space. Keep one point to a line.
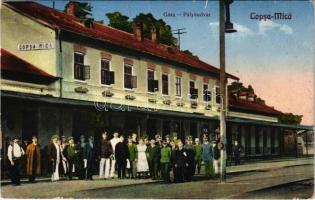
189 53
82 11
165 35
119 21
290 118
236 86
250 89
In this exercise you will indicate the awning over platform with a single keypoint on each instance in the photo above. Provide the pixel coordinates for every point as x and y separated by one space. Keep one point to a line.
72 102
112 106
265 123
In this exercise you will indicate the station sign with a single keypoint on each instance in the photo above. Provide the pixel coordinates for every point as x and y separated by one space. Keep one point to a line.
36 46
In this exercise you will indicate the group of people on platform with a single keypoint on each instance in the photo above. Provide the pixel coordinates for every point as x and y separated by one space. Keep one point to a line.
118 157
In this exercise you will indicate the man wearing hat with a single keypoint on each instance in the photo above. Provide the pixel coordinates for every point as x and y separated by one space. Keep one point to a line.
153 159
190 158
197 148
33 161
81 145
114 141
175 138
158 140
54 155
15 152
105 151
89 157
71 153
63 144
168 140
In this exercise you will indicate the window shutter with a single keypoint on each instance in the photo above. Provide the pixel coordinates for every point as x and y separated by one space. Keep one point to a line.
156 85
193 93
134 82
209 95
196 92
86 72
111 77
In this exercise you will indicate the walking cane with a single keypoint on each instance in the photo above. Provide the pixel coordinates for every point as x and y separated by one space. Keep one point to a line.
85 166
53 169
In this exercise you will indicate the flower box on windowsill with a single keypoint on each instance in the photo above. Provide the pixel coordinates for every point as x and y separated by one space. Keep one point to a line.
194 105
81 90
180 104
130 97
167 102
208 107
152 100
107 93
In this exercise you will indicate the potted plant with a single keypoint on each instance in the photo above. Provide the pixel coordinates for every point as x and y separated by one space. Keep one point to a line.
167 102
180 104
107 93
152 100
130 97
208 107
194 104
81 90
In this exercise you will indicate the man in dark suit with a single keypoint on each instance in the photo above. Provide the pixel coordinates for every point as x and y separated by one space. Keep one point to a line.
180 162
237 148
121 154
153 159
81 170
71 153
189 147
89 157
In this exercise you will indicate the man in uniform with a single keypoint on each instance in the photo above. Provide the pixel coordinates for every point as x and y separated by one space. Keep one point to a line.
153 159
71 153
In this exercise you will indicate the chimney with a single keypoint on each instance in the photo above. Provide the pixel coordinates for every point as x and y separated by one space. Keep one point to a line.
154 34
250 97
243 96
71 8
137 31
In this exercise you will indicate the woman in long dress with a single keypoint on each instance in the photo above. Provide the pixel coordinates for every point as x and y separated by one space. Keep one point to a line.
142 162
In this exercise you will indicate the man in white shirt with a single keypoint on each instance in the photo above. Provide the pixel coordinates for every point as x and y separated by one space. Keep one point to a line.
113 142
15 152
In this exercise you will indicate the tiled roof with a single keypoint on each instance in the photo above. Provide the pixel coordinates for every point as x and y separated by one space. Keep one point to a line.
12 63
250 106
56 19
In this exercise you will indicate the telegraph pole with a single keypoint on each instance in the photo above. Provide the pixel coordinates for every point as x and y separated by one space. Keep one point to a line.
222 91
178 32
225 27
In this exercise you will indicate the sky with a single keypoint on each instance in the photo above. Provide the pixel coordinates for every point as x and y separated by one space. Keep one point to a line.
275 56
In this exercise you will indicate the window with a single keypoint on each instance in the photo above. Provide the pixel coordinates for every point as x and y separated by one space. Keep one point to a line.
107 76
217 95
193 91
272 140
81 71
153 85
130 81
165 84
257 141
178 86
206 93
